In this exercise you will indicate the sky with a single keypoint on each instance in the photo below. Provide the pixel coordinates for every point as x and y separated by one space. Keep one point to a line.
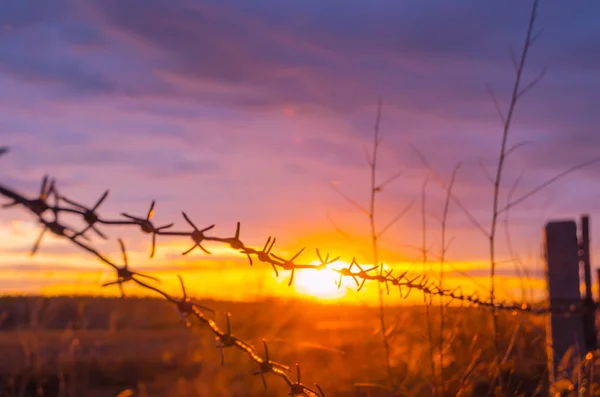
251 111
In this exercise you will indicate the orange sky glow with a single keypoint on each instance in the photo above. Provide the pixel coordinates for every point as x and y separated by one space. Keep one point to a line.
226 274
255 112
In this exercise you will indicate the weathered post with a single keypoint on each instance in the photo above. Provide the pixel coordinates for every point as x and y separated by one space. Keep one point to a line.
584 250
564 332
598 280
589 317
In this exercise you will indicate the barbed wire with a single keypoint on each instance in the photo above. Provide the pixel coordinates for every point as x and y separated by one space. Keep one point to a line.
404 282
186 307
39 206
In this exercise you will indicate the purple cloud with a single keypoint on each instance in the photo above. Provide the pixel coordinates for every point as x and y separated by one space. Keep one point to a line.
246 111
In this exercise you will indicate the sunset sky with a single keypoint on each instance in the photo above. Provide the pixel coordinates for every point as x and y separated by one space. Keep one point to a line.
249 111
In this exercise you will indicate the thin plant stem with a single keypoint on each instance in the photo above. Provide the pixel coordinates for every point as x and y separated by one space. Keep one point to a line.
375 240
376 234
518 264
427 299
517 93
444 249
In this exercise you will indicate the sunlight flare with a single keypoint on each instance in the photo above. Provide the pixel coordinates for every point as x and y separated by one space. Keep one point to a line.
318 284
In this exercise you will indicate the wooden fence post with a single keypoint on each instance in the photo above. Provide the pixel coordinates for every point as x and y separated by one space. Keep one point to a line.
562 276
584 248
598 280
589 318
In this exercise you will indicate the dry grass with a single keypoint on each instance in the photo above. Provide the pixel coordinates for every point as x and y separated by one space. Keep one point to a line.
104 346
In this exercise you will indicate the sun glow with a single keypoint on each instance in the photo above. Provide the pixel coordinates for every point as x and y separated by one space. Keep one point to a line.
319 284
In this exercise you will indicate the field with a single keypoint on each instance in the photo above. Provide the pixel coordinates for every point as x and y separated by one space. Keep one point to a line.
103 346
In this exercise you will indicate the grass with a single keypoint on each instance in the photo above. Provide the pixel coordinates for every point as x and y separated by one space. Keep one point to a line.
100 347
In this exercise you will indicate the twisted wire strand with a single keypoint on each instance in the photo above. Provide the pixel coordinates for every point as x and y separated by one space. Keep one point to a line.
40 205
404 281
185 306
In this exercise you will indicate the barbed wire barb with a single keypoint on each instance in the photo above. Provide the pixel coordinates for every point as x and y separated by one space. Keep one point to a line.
265 365
325 262
264 255
186 306
124 274
89 214
147 226
197 235
289 264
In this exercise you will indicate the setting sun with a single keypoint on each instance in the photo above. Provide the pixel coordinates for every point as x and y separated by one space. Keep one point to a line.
319 284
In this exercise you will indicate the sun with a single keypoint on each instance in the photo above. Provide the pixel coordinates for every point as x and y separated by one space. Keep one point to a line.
318 284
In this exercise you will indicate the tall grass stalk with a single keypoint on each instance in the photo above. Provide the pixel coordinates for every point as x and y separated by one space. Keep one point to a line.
374 188
375 233
443 250
427 269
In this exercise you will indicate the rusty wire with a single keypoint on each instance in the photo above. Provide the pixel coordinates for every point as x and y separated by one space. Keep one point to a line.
187 308
404 282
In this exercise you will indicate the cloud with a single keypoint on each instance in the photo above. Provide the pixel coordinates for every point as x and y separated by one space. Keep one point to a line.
247 111
407 50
